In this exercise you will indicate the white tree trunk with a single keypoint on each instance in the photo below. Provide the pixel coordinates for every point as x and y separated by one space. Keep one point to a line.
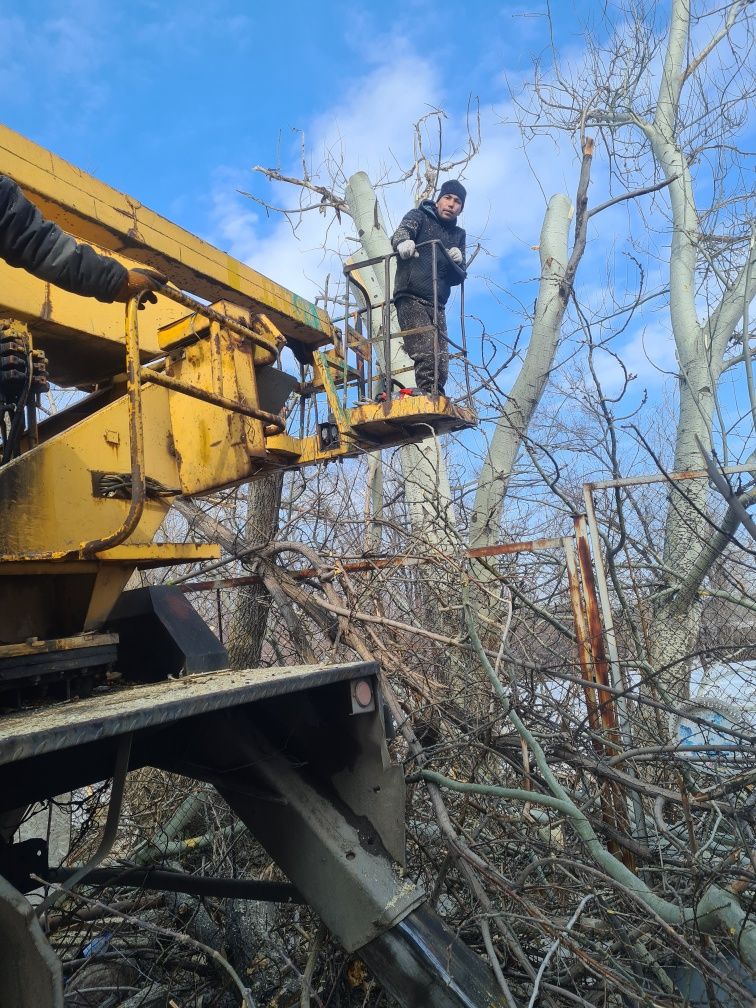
531 381
700 353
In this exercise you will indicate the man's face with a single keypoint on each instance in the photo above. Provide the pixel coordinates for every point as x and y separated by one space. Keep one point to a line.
449 207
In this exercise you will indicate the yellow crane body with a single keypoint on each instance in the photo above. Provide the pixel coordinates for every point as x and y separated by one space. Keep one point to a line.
181 399
184 398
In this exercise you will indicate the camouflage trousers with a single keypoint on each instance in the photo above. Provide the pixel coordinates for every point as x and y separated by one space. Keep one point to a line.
414 314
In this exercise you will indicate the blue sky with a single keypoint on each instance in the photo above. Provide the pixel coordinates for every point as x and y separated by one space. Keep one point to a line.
157 98
174 103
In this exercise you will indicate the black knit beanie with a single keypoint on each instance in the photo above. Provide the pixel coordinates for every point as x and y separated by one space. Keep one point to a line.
452 188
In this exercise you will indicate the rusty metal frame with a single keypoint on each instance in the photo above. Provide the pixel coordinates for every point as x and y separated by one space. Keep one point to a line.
586 620
600 698
588 627
594 644
594 628
388 301
378 563
592 619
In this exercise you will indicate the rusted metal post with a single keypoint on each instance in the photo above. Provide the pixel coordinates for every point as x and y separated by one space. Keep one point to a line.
592 654
603 590
615 670
611 704
582 636
600 665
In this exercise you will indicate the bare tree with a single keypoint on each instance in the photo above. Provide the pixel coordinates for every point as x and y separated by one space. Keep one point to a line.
426 481
669 102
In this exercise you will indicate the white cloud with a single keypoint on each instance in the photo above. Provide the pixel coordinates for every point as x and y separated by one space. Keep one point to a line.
371 129
238 227
236 223
55 60
361 133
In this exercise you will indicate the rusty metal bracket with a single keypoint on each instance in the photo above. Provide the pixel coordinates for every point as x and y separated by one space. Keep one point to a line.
234 325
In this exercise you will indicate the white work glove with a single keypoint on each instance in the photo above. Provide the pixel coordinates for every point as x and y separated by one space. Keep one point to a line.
455 255
406 249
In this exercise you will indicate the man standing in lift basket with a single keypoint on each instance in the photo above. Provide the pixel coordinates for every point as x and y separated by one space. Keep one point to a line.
413 286
39 246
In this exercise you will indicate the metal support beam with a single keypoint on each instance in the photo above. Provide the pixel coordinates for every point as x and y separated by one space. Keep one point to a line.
300 755
313 783
423 964
30 973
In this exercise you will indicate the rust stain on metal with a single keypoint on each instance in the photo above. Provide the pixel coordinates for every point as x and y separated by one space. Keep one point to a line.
613 806
138 486
380 563
233 325
232 405
525 546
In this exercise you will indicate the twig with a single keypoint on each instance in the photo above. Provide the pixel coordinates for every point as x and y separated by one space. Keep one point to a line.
312 958
554 946
178 936
632 195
